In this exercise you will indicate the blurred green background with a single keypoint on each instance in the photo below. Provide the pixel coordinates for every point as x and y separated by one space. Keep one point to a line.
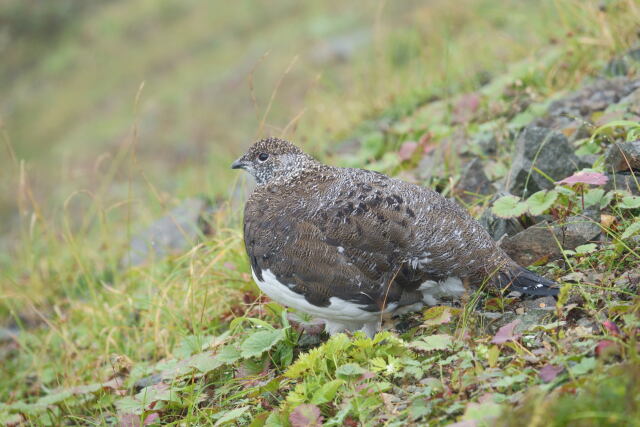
186 85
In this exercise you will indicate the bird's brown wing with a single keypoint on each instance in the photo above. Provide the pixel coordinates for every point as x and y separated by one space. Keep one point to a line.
352 245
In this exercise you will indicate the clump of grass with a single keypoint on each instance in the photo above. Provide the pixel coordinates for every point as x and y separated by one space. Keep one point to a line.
610 398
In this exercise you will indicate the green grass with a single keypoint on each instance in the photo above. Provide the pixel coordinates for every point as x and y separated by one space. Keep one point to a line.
97 156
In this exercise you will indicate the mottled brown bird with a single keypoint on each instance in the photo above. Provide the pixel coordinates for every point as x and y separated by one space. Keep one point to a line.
347 245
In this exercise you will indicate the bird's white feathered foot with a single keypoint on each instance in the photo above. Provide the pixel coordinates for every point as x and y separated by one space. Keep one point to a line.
369 328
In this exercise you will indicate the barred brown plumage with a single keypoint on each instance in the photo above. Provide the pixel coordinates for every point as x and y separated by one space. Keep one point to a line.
349 244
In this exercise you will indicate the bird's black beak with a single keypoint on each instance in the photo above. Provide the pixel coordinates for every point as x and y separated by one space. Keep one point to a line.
238 164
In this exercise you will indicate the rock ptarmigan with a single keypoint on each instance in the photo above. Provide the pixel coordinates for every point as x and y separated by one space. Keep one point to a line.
347 245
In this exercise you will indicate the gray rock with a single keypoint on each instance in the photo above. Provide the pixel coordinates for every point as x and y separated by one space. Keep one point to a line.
581 104
175 232
576 130
594 97
626 182
487 142
531 319
474 183
581 229
634 54
533 244
309 340
588 323
624 156
340 48
588 160
491 315
492 323
546 150
499 227
630 103
8 334
541 241
544 303
527 321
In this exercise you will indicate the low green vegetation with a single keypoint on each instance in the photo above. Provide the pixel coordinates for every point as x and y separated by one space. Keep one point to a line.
188 339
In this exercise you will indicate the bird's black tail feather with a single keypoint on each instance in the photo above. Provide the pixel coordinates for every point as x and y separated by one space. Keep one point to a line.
528 283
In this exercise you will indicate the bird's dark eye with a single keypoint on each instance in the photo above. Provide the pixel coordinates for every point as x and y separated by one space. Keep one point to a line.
263 156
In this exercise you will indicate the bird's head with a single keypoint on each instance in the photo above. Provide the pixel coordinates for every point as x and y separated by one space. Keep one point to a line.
272 158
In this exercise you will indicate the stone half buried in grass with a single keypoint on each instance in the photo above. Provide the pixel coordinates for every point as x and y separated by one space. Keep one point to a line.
175 232
540 150
474 185
624 157
581 104
624 181
545 241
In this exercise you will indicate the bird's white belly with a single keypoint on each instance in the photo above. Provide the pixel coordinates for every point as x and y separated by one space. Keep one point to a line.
338 309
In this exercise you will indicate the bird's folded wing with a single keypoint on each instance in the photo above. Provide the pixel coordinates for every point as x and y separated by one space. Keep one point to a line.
351 261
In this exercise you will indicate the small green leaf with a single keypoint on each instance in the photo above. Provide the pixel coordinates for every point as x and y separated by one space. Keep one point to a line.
205 362
541 201
350 370
508 381
261 341
509 207
586 364
228 354
433 342
565 191
378 364
631 230
630 202
593 197
260 420
586 249
55 397
149 395
521 120
276 419
129 404
606 199
482 412
437 315
493 355
327 392
188 346
588 147
231 415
